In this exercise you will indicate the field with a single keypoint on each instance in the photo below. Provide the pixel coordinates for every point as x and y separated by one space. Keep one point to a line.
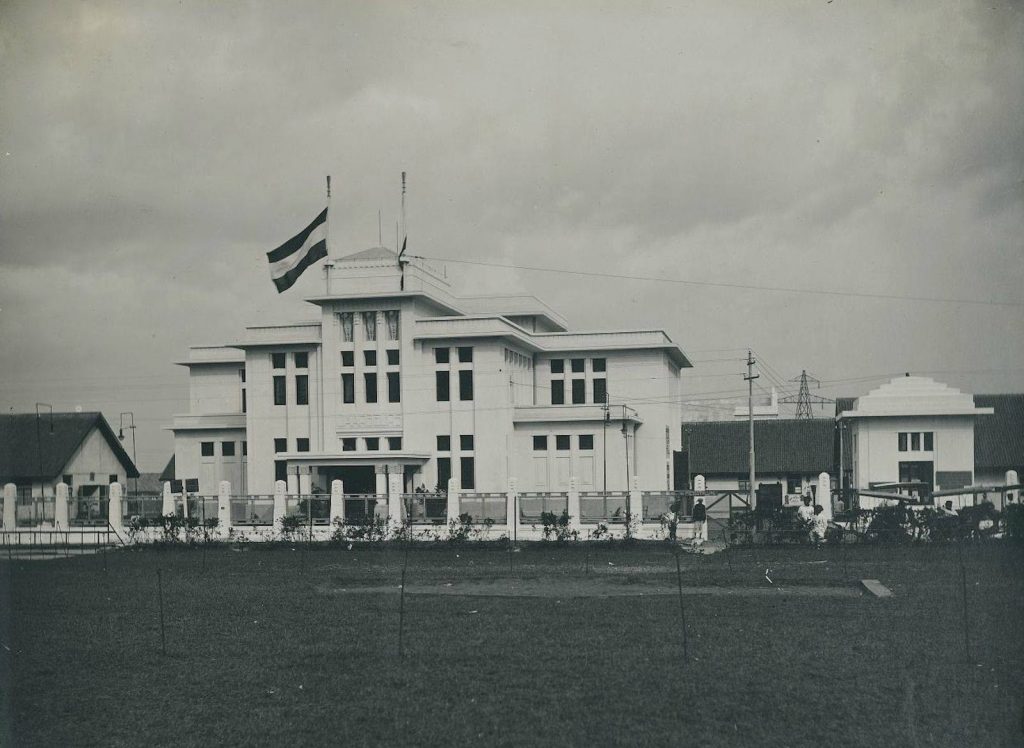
549 645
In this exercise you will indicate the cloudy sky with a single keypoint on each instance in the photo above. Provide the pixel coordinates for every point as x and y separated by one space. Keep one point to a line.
151 153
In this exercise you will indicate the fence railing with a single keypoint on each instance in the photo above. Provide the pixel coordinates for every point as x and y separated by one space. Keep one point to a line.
34 511
363 507
656 504
317 507
89 512
203 508
533 504
483 506
252 510
144 507
603 506
426 508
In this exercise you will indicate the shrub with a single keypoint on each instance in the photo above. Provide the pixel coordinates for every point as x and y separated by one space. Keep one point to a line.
289 526
461 529
1013 515
556 527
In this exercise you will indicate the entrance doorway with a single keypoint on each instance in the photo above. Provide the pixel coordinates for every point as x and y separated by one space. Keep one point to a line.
356 478
918 472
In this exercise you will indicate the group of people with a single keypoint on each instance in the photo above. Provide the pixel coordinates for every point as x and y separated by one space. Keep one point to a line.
699 517
813 520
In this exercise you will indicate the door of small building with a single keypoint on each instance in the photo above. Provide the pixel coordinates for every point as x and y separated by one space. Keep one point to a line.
920 472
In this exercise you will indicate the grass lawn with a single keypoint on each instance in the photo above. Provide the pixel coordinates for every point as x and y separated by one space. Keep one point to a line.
271 646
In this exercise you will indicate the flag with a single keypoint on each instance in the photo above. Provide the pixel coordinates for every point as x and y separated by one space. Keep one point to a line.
289 260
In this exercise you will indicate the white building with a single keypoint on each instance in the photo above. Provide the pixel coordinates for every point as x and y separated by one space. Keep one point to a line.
399 376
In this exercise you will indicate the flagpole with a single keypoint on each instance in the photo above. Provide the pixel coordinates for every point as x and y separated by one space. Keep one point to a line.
405 234
327 241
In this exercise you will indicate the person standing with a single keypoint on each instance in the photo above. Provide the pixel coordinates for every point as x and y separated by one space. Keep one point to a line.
819 525
700 520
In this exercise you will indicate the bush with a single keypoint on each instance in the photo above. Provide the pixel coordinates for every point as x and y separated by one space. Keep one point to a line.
557 527
1013 516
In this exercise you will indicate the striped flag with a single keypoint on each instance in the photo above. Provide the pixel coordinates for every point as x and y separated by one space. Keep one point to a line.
289 260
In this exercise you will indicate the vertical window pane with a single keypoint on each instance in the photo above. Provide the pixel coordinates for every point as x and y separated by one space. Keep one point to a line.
599 391
915 441
442 382
371 387
467 473
392 357
280 445
394 387
466 384
280 470
277 359
279 391
929 441
444 472
579 391
903 441
302 360
302 389
348 358
370 358
557 392
348 388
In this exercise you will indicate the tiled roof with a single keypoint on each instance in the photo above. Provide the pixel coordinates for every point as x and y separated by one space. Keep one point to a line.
781 446
999 438
31 450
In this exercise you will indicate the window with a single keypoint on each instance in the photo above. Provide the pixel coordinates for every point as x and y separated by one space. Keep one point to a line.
277 360
540 444
279 391
395 443
346 319
241 373
392 356
370 380
227 449
929 441
562 442
302 360
557 392
465 354
348 444
372 443
370 358
280 470
112 478
903 441
280 445
466 384
467 473
67 479
793 484
743 484
444 472
444 443
442 384
598 364
915 442
441 355
394 387
348 358
302 445
557 366
370 326
348 388
391 320
245 448
244 402
577 365
302 389
586 441
600 390
579 391
205 449
466 442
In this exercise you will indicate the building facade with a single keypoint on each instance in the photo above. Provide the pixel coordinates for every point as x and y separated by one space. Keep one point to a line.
398 376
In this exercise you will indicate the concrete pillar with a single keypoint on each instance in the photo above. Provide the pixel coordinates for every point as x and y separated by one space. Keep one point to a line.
10 499
699 484
304 483
381 481
511 507
224 506
115 507
1011 480
825 493
453 500
168 503
61 516
396 511
293 484
184 504
574 504
636 502
337 500
280 507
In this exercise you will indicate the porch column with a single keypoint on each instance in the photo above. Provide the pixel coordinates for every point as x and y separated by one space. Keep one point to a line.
224 506
337 500
167 507
114 507
825 494
574 504
10 497
511 509
292 485
60 508
304 483
380 480
280 507
636 503
453 500
396 511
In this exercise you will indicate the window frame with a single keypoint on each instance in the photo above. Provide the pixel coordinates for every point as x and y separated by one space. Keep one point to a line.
443 386
280 389
466 385
302 389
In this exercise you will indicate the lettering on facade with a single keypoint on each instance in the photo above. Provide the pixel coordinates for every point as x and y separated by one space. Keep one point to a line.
363 422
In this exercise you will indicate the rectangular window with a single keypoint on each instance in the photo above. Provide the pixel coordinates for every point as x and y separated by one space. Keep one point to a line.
392 356
466 442
280 445
793 484
394 387
277 360
302 360
577 365
348 388
586 441
348 444
112 478
346 319
370 358
562 442
557 366
279 391
444 443
466 384
929 441
67 479
241 373
280 470
370 380
444 472
903 441
598 364
370 326
391 320
227 449
244 400
302 389
206 449
579 391
372 443
348 358
245 448
600 390
442 385
557 392
915 441
540 444
743 484
302 445
467 473
465 354
395 443
441 355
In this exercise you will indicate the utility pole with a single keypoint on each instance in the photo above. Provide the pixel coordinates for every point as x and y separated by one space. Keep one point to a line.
604 442
750 377
625 436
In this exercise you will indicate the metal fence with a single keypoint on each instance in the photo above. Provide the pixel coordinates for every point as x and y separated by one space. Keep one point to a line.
32 511
361 508
483 506
90 511
306 508
532 504
149 506
203 508
252 510
426 508
603 506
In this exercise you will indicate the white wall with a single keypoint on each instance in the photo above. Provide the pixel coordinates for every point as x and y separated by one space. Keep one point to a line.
877 455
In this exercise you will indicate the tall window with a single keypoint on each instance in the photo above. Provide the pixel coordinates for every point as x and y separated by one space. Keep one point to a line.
346 319
915 441
302 389
557 392
467 472
394 387
279 391
600 390
391 319
444 472
370 325
466 384
280 470
903 441
579 391
370 381
442 383
348 388
929 441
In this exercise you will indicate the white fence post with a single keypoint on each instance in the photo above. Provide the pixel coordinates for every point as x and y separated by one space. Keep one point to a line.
453 500
573 504
337 500
825 494
699 483
292 485
305 481
280 507
10 501
60 508
395 509
511 515
115 511
1011 480
168 503
636 502
224 506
